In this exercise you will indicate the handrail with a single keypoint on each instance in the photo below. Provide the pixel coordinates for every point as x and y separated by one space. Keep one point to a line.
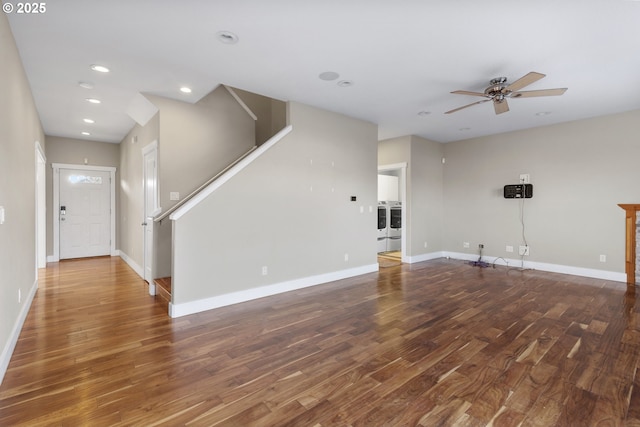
197 190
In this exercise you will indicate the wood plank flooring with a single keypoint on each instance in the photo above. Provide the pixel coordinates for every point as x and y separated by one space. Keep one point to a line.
439 343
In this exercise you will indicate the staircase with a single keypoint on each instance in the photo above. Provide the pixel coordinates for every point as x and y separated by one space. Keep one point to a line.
163 284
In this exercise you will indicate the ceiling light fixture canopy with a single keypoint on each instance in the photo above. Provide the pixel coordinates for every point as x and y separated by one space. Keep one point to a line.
185 89
93 100
90 121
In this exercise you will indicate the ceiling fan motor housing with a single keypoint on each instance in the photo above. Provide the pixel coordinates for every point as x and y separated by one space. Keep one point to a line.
497 89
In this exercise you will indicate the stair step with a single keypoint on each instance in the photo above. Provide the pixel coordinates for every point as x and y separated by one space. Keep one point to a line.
163 288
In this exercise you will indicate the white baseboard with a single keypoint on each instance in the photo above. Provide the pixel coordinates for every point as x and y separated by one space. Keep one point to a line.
7 351
422 257
53 258
126 258
543 266
183 309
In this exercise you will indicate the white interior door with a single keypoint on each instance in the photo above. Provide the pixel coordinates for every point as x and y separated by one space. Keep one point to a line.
151 208
84 213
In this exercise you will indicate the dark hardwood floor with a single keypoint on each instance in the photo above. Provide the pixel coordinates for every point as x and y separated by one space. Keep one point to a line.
438 343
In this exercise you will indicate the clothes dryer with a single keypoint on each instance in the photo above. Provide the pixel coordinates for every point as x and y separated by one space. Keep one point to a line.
394 229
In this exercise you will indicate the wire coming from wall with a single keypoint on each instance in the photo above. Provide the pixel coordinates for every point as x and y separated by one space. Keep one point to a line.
480 263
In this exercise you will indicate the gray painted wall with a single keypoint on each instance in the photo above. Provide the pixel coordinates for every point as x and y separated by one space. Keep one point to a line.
19 130
199 140
580 171
289 210
426 186
270 113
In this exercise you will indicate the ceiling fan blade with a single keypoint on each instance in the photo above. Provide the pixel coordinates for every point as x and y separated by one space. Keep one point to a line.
466 92
501 106
469 105
526 80
543 92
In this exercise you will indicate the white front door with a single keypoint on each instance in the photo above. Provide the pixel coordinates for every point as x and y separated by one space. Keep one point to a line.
84 213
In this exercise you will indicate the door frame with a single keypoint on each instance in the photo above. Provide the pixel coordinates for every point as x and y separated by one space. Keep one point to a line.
404 232
56 203
149 212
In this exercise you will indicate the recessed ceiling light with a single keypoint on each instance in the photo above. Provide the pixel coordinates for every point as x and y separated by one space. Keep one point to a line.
185 89
90 121
86 133
227 37
329 75
100 68
85 85
543 113
424 113
345 83
93 100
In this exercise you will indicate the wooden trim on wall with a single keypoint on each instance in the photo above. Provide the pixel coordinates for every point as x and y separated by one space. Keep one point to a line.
630 241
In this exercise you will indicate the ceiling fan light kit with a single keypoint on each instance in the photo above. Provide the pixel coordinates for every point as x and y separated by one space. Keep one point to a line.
498 92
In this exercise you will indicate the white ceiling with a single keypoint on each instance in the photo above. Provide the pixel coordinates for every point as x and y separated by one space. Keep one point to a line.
403 56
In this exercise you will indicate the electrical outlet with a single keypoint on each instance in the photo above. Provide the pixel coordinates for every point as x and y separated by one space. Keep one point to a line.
603 258
509 248
346 257
523 250
465 244
480 246
525 178
19 295
425 244
265 270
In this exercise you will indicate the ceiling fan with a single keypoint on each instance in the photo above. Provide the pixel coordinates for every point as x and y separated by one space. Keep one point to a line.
499 91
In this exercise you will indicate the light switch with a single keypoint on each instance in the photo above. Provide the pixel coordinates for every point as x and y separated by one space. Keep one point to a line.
1 214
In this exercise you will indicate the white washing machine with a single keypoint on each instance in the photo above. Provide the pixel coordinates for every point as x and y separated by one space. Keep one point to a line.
382 226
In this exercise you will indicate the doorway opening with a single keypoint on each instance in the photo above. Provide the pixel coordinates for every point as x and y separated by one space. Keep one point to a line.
392 214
